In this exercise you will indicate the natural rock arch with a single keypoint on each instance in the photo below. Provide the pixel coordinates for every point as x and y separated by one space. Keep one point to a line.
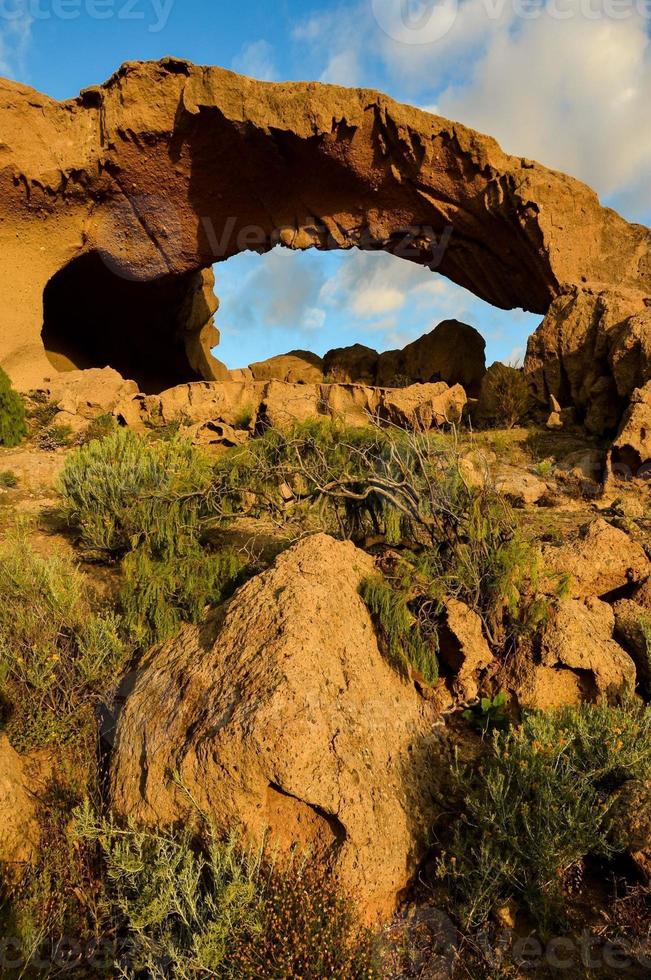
168 168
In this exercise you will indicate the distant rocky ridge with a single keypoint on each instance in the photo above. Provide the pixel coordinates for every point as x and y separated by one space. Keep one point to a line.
452 352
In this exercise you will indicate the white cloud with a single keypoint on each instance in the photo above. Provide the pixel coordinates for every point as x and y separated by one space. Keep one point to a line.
267 291
572 92
314 318
256 60
15 38
332 43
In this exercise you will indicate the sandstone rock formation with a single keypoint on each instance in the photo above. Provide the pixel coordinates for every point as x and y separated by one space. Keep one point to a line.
631 618
601 561
463 648
116 204
577 660
453 352
19 830
630 455
593 350
251 405
356 364
630 816
279 713
423 406
87 394
518 486
296 367
579 637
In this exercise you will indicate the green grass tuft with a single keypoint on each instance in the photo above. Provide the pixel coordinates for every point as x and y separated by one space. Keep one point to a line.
13 427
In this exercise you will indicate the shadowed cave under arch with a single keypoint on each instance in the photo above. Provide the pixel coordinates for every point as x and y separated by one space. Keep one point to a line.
93 317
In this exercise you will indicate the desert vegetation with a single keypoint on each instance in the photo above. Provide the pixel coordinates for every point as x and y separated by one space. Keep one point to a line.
156 533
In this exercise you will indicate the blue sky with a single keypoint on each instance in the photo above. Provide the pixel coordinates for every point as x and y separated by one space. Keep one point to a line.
567 82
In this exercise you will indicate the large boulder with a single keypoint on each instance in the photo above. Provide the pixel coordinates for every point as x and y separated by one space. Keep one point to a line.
423 406
579 636
356 364
280 715
592 351
296 367
284 404
453 352
633 631
19 827
463 648
577 660
89 393
602 560
630 822
630 455
352 404
520 487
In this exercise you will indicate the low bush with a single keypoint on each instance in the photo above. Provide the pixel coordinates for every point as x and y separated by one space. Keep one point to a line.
13 427
8 480
157 596
537 805
56 907
58 650
99 428
41 411
325 467
504 397
223 911
405 615
125 491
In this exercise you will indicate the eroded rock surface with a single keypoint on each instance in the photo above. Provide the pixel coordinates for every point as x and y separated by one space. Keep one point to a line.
601 561
281 713
19 829
247 405
630 455
116 204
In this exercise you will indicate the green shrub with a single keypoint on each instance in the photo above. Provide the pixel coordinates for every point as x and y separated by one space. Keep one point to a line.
504 397
41 410
13 428
8 480
410 636
158 595
244 417
125 491
57 652
309 458
59 896
223 911
537 806
99 428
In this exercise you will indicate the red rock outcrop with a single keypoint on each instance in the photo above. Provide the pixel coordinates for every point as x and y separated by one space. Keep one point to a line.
267 714
116 204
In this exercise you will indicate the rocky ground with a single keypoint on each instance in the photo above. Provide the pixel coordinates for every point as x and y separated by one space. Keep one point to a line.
281 711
